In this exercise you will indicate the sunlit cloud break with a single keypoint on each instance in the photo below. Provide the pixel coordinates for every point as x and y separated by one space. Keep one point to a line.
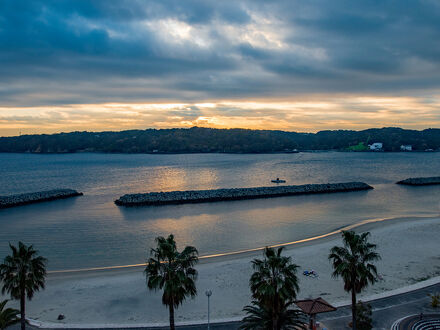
354 112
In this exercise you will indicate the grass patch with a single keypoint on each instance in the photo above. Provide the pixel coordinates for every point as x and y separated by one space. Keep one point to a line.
359 147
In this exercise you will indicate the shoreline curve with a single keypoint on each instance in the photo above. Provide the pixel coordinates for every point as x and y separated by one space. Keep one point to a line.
245 252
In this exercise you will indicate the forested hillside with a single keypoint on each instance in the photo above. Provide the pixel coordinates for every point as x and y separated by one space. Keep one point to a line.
198 139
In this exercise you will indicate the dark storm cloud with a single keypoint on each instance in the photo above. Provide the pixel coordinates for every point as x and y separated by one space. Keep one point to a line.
57 51
372 36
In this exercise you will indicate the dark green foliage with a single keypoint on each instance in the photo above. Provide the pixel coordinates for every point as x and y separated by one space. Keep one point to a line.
199 139
8 316
274 286
23 273
173 272
353 262
260 318
435 299
363 316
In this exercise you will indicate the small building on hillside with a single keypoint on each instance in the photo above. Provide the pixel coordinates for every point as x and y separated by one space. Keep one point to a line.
406 147
377 146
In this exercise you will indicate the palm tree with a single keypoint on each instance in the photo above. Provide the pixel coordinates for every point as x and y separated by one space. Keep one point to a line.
172 271
8 316
353 262
274 286
259 317
23 273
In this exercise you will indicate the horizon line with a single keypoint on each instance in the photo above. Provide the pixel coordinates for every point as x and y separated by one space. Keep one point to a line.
219 128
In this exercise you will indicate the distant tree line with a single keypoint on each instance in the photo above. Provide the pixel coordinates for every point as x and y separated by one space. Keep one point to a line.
203 140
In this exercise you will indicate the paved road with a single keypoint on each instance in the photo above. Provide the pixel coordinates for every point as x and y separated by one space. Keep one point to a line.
385 312
216 326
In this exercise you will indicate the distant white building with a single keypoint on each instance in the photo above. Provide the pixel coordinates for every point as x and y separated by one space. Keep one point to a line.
376 146
406 147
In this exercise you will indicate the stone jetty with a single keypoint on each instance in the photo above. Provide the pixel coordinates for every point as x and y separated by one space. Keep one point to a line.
199 196
421 181
36 197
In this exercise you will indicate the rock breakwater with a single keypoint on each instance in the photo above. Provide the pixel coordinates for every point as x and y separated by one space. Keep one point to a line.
199 196
420 181
36 197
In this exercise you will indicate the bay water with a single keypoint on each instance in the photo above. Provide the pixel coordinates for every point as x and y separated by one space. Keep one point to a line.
91 231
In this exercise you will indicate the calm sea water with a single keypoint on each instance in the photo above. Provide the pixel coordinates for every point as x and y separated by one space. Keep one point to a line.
91 231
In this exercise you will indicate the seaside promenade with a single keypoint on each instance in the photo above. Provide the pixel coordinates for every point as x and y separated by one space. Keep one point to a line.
385 312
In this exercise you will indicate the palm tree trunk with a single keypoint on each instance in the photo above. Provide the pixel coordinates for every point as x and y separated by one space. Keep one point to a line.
353 309
22 311
275 314
172 327
274 320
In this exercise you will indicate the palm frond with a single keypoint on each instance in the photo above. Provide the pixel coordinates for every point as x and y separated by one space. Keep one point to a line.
262 318
274 286
8 316
23 271
172 271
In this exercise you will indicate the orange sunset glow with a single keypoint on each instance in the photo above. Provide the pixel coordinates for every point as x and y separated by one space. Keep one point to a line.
307 115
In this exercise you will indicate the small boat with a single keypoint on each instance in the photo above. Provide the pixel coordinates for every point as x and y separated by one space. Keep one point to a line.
278 180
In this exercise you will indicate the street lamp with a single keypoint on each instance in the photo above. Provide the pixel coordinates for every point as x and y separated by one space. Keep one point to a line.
208 294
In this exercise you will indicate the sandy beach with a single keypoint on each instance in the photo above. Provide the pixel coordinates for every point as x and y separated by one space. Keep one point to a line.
409 248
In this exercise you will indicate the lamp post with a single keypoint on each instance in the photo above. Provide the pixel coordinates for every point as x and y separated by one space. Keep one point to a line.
208 294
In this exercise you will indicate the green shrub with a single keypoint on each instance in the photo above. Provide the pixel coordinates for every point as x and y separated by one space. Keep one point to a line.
363 315
435 300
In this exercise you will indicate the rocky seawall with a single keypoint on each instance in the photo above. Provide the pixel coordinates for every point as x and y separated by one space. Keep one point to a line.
199 196
36 197
420 181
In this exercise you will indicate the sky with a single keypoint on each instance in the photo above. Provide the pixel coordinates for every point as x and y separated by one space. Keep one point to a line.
68 65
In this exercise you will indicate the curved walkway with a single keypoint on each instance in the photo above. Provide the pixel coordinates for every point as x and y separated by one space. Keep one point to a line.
418 322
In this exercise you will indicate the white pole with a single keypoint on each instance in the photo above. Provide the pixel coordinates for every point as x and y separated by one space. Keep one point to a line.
208 294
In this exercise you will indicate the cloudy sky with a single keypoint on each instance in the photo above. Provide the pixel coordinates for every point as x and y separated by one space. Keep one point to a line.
292 65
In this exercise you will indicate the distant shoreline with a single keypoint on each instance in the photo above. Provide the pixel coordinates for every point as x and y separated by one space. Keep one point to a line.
210 140
215 152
